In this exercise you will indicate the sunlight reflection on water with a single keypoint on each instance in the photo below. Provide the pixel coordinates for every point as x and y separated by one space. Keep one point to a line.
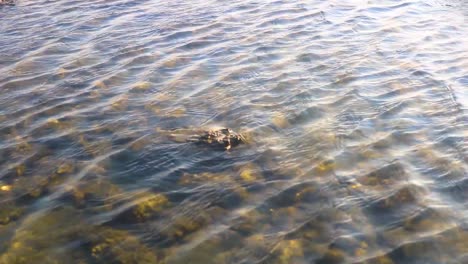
353 115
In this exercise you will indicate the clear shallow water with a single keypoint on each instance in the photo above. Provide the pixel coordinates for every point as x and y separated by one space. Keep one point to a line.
355 114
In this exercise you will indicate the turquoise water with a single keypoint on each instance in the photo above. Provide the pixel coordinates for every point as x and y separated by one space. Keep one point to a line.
354 114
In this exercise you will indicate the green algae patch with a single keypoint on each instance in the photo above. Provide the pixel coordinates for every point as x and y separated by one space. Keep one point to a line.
332 256
20 169
280 120
117 246
22 145
188 227
100 84
30 187
9 212
289 250
409 194
249 223
59 124
380 260
65 168
388 175
62 236
324 168
119 103
428 220
250 173
98 192
151 205
39 238
174 61
141 86
145 206
182 226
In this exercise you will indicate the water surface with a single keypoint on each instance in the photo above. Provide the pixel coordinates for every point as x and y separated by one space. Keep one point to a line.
354 111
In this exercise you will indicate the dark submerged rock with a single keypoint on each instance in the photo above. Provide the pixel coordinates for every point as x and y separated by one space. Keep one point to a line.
223 138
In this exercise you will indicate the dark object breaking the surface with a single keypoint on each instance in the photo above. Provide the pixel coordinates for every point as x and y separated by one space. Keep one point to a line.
223 138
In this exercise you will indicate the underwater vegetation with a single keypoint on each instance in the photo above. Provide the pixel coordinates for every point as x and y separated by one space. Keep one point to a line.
269 132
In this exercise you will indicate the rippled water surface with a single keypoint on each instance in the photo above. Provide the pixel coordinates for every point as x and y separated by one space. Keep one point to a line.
354 115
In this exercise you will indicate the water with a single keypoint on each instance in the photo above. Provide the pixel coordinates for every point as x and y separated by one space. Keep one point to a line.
354 111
